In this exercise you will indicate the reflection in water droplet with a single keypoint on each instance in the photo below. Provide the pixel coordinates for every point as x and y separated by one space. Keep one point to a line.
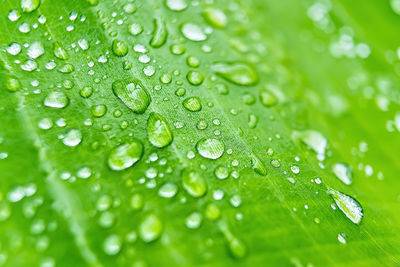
348 205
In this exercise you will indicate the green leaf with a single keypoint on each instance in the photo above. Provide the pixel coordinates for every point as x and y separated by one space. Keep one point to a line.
187 133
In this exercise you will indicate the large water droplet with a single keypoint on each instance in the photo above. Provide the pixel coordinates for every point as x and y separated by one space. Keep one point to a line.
151 228
56 99
133 94
257 165
124 156
160 33
158 131
194 183
210 148
348 205
35 50
193 32
236 72
343 172
29 6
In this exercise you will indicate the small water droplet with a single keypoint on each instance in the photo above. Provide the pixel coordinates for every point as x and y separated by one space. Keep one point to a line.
168 190
192 103
72 138
119 48
193 221
56 99
112 245
195 77
176 5
193 32
215 17
60 52
29 6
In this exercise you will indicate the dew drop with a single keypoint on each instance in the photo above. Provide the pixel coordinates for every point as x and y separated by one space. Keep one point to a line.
150 228
119 48
168 190
133 94
56 99
13 84
348 205
192 104
135 29
60 52
195 77
112 245
158 131
267 98
193 221
29 6
239 73
72 138
215 17
160 33
194 183
126 155
176 5
221 172
193 32
35 50
210 148
313 139
257 165
344 172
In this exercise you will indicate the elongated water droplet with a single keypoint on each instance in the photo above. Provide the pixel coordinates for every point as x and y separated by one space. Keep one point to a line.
210 148
343 172
151 228
72 138
176 5
29 6
125 156
160 33
192 103
193 32
56 99
257 165
194 183
236 72
158 131
215 17
133 94
119 48
348 205
253 120
236 247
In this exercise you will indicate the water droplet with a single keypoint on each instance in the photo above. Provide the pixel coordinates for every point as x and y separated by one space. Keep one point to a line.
192 103
29 65
177 49
129 8
133 94
193 221
135 29
253 120
239 73
235 201
66 68
215 17
221 172
56 99
210 148
112 245
236 247
348 205
35 50
45 124
83 44
14 49
212 211
168 190
84 173
126 155
194 183
60 52
119 48
160 33
72 138
14 15
99 110
137 202
313 139
158 131
193 32
344 172
13 84
267 98
195 77
86 91
342 238
176 5
151 228
257 165
29 6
